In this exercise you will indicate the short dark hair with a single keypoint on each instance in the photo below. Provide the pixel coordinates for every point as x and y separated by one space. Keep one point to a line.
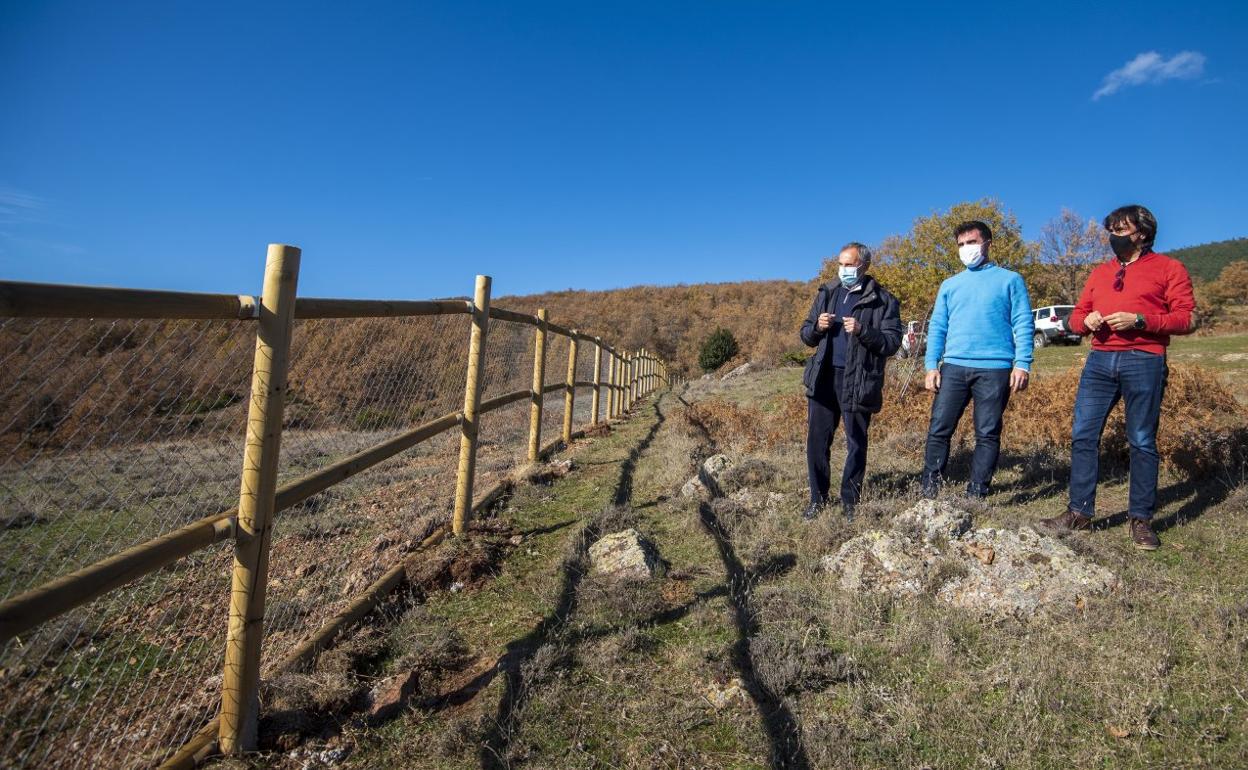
984 231
1136 215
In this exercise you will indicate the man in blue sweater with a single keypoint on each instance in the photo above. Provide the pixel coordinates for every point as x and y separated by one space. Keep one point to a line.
981 327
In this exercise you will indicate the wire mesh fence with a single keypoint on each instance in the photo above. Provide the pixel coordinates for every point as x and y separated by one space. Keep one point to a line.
114 432
355 383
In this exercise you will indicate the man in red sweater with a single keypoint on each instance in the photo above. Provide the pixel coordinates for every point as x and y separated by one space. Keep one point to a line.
1130 305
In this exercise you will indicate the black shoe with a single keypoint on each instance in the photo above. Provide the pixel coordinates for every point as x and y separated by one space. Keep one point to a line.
848 509
812 511
930 491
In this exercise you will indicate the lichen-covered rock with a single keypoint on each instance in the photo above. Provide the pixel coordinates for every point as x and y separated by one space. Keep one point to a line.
881 562
934 518
706 482
712 470
1019 573
738 371
693 488
721 696
771 502
996 572
624 554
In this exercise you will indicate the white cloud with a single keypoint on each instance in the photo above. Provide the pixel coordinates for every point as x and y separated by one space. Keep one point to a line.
17 206
1152 67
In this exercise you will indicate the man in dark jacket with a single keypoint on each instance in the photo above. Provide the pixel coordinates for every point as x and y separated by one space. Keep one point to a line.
854 326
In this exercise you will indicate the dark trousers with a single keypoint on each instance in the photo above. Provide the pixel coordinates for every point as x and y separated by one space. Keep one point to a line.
824 412
1137 378
990 390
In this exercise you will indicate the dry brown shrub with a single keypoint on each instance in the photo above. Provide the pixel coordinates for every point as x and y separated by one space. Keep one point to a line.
1204 429
745 428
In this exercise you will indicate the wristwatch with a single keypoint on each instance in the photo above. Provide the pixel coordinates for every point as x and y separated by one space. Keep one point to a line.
1139 321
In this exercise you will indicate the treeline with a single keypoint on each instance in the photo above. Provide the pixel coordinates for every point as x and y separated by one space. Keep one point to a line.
1208 260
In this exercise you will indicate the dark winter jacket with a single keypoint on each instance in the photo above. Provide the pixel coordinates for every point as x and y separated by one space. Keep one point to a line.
880 316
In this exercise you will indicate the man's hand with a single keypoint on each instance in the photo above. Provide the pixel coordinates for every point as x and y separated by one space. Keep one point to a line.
1093 321
1018 380
1120 321
824 321
851 325
932 382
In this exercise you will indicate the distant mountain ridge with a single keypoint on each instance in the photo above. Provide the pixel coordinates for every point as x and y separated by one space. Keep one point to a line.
1207 260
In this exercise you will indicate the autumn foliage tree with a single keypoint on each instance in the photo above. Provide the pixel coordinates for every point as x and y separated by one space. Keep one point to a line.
912 266
1069 248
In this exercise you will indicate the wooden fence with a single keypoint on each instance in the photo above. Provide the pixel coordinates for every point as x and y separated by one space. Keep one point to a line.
625 376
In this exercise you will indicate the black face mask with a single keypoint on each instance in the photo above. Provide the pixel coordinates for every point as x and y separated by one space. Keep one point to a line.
1122 245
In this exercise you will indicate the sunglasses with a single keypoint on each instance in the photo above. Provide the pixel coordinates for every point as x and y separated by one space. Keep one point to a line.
1120 278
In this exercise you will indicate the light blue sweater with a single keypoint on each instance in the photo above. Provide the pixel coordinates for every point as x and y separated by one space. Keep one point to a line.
982 319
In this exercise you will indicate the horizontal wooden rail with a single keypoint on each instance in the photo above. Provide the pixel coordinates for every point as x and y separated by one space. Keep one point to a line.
294 492
359 607
201 745
27 610
498 402
47 300
312 307
498 313
557 329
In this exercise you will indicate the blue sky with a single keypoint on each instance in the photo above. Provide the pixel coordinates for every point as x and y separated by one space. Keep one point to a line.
407 146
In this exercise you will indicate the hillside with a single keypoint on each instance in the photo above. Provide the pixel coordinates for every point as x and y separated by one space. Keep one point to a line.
747 648
673 320
1207 260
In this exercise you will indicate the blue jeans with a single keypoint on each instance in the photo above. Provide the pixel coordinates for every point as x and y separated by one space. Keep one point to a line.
1137 378
990 389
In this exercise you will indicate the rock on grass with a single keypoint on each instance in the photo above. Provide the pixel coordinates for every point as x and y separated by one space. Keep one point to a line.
624 554
995 572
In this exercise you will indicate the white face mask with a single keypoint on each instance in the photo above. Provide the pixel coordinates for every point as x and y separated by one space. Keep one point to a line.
971 254
849 276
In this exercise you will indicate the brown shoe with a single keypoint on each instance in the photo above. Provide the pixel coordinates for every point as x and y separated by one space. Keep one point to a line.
1068 522
1143 536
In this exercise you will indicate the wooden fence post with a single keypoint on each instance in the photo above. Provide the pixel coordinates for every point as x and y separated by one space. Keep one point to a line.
539 383
622 377
634 365
240 702
610 385
569 398
619 378
594 403
470 428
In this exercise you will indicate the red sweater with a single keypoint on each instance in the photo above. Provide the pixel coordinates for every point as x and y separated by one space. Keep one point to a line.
1155 285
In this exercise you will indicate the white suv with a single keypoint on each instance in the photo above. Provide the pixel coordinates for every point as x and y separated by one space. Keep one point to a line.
1050 323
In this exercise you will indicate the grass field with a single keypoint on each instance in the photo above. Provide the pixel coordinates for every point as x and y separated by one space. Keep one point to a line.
740 653
1226 354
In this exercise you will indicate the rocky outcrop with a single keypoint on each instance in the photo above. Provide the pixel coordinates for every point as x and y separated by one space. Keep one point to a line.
390 695
707 482
996 572
624 555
